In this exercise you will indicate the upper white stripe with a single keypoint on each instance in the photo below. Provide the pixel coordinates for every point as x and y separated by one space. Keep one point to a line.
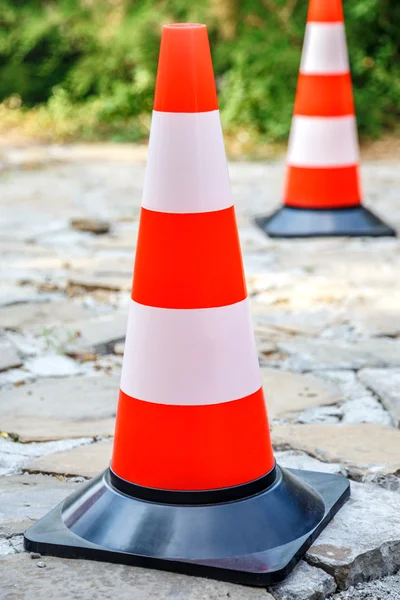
190 357
325 49
323 142
186 170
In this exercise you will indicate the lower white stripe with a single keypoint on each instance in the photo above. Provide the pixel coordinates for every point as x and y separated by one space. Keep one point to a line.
190 357
324 49
186 167
323 142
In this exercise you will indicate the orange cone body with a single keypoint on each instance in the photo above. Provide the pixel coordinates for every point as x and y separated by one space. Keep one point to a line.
191 412
323 148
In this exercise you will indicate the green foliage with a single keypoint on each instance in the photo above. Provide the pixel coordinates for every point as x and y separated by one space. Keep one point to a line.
87 67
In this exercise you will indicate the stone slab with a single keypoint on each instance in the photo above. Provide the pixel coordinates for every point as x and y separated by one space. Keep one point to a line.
363 540
381 320
53 365
26 498
22 315
14 455
100 334
365 449
15 377
12 294
305 583
320 414
54 409
98 280
357 403
314 354
87 580
295 459
309 322
290 393
84 461
386 384
9 358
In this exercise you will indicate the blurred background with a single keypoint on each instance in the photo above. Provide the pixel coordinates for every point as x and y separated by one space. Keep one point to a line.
85 69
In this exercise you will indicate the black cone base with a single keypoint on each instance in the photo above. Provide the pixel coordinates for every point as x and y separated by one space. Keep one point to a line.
255 541
289 222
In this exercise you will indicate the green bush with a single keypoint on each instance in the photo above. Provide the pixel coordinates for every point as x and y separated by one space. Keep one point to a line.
87 67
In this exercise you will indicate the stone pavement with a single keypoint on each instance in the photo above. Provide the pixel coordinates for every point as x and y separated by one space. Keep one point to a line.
326 319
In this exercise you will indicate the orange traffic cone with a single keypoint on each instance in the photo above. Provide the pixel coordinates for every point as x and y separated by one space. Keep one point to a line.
322 195
193 486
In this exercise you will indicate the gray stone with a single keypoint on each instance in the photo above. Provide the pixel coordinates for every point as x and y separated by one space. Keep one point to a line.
308 323
305 583
9 358
100 280
53 365
293 459
366 448
357 405
361 410
99 335
26 498
30 344
315 354
320 414
86 580
253 239
5 547
85 461
19 316
378 322
265 348
51 409
109 364
15 377
91 225
363 540
386 384
15 294
119 241
382 589
347 382
353 402
365 410
287 393
119 348
14 455
17 543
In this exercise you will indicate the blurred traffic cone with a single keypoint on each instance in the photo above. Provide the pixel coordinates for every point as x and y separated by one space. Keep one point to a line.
322 195
193 485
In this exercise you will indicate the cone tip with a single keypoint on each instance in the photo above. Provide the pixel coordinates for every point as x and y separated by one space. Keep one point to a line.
185 78
184 26
325 11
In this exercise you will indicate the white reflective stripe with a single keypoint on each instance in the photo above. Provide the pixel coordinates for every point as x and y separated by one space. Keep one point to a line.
190 357
186 170
324 50
323 142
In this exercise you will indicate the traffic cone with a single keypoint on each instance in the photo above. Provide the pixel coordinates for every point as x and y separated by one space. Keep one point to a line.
322 195
193 486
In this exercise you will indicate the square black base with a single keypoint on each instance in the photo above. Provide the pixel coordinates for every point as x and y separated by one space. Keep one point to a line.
290 222
253 541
